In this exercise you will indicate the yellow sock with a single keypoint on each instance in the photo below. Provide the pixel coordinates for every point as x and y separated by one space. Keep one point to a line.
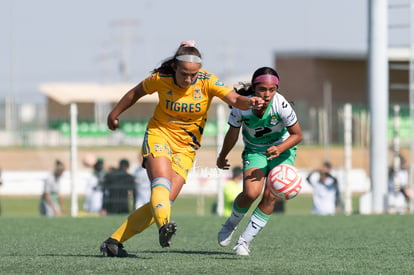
137 222
160 200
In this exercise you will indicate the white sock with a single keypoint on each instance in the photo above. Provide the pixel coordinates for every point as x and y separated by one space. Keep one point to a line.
257 222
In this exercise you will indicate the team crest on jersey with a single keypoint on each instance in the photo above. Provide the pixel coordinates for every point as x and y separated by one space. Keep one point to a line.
197 93
273 120
219 83
169 92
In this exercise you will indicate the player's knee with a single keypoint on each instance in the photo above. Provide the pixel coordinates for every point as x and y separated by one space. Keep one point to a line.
250 195
161 182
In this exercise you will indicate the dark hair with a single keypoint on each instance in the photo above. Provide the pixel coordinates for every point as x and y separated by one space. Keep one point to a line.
327 164
58 163
247 89
99 164
123 163
59 168
167 66
403 164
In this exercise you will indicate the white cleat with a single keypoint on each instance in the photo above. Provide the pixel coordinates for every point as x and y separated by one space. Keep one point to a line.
242 248
225 234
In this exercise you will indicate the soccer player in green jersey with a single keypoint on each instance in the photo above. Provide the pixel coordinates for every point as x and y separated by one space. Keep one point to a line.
270 136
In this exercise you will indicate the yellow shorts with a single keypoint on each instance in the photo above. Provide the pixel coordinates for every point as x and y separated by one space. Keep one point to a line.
158 144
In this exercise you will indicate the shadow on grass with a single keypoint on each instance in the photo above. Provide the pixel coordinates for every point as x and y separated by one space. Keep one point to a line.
223 254
194 252
130 255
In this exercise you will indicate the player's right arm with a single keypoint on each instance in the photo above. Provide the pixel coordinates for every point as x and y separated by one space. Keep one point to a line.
49 202
129 99
243 102
230 140
62 205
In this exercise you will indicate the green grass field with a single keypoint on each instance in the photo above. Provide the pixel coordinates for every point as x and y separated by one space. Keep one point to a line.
292 243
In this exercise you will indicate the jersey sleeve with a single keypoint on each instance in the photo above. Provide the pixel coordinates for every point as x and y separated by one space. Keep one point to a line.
218 88
235 118
287 113
150 83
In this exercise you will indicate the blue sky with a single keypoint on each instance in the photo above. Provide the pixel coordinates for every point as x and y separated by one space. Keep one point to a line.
85 41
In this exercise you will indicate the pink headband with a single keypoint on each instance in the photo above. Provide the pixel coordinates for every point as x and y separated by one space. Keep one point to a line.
266 78
188 43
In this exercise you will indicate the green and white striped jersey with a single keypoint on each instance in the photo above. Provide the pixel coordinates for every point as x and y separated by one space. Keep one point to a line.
261 133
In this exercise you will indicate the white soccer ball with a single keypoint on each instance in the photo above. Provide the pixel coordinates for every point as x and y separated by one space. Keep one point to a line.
284 182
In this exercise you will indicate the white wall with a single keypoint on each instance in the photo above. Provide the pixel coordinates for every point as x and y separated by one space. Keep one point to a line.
201 181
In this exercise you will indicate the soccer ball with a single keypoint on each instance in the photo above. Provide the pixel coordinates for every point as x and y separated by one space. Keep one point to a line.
284 182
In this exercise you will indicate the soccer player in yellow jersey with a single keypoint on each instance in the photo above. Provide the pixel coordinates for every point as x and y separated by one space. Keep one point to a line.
173 135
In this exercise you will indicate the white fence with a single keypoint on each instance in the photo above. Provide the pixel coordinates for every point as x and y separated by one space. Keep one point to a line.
201 181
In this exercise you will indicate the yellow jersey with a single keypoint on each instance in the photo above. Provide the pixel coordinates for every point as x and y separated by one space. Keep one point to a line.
181 113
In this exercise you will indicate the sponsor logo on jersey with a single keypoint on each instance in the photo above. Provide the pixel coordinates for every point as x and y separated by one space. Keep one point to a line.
182 106
167 149
260 131
291 117
157 147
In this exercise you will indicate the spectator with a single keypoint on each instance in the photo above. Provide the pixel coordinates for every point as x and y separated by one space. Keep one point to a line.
93 193
232 188
279 207
51 203
398 190
117 186
325 190
142 185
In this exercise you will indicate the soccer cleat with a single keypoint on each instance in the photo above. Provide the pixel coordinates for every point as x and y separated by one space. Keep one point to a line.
166 232
242 248
113 248
225 234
